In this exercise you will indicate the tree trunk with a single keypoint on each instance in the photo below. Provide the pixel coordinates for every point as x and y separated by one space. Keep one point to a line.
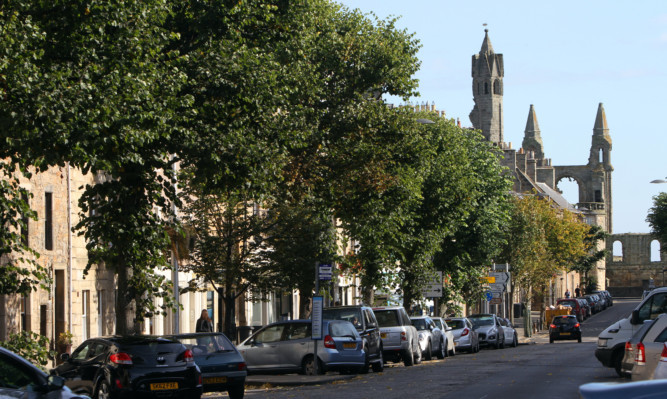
124 310
230 316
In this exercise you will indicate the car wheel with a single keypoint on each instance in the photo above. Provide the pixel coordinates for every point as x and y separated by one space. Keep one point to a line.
453 351
103 391
442 352
551 340
429 352
616 362
236 392
418 355
502 343
408 357
579 339
308 366
379 366
367 363
515 343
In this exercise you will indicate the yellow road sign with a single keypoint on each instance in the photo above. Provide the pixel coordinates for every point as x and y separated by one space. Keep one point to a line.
489 279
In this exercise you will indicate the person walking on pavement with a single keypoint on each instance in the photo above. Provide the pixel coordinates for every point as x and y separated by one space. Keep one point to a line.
567 293
204 323
577 292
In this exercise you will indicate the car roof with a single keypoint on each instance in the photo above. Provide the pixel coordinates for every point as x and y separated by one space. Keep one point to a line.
21 359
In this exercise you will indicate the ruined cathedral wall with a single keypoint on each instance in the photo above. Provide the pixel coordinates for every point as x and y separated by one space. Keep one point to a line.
631 269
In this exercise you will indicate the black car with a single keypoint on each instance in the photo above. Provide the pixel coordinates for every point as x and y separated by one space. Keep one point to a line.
21 379
363 319
564 327
139 366
221 364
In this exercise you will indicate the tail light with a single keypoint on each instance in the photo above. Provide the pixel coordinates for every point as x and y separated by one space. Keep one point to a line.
188 356
242 366
552 326
200 380
329 342
628 347
120 358
640 356
404 336
119 384
576 325
465 332
663 355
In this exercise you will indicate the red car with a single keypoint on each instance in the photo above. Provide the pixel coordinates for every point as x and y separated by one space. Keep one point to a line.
573 303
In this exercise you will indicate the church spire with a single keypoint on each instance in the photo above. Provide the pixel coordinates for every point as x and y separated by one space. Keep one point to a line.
601 143
601 128
487 48
532 140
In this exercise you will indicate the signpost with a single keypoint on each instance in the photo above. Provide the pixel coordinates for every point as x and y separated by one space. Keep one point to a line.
325 272
433 289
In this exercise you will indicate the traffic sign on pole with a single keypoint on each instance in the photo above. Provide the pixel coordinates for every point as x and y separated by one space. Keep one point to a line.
433 289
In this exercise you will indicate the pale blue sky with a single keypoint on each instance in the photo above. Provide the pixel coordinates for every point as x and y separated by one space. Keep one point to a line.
564 57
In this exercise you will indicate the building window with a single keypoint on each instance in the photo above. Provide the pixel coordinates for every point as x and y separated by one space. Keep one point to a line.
85 316
598 196
25 232
100 313
25 314
486 88
48 221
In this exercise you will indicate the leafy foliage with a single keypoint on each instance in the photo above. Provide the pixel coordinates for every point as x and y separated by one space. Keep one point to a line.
657 219
31 346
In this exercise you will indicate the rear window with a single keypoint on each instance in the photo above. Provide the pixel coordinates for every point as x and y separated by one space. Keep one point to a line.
387 318
420 324
352 315
455 324
342 330
150 349
207 344
564 320
571 304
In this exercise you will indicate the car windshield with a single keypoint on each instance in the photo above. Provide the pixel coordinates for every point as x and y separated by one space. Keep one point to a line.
564 320
482 321
387 318
438 324
455 324
340 329
420 324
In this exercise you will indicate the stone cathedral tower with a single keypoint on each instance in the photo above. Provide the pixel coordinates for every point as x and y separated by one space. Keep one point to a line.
487 90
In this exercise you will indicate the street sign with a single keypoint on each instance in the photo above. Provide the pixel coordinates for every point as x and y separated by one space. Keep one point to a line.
325 272
316 317
489 296
496 294
500 277
488 279
497 287
495 301
433 289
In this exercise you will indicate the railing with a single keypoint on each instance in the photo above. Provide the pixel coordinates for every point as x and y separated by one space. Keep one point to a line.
592 206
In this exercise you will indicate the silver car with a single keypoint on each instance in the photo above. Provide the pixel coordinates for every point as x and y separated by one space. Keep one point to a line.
450 346
648 350
400 340
465 337
511 337
490 331
431 339
287 347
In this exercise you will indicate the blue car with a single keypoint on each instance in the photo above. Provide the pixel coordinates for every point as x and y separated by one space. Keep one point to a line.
222 366
287 347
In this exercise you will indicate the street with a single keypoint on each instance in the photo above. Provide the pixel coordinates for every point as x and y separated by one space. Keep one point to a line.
532 370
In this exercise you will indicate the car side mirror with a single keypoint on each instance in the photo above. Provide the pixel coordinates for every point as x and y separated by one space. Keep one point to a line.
64 357
634 319
55 382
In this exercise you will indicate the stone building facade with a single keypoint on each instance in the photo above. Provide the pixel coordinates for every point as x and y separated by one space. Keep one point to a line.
638 264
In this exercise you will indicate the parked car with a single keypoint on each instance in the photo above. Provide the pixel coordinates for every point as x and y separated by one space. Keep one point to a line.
611 341
222 366
593 303
574 304
21 379
649 348
431 339
141 366
628 362
564 327
587 307
465 337
511 337
287 347
363 319
489 330
607 296
400 340
450 345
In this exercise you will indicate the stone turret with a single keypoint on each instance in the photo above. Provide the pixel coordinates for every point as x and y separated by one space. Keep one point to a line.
487 90
601 143
532 139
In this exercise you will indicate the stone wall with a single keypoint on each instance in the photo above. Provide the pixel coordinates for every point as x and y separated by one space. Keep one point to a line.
629 274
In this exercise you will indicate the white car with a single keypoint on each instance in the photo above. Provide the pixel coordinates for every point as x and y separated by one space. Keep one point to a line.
511 337
465 336
450 344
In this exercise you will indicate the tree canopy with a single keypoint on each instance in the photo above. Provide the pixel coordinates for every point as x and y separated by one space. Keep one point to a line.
657 219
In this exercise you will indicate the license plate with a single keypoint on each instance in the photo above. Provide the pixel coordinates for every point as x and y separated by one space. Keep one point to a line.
383 335
215 380
565 333
350 345
161 386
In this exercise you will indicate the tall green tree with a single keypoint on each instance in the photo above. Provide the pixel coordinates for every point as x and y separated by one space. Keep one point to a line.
657 220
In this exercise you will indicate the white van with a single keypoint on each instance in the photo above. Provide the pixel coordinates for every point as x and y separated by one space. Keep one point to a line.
611 341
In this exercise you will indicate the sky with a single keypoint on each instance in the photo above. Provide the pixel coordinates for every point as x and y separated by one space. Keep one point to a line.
565 58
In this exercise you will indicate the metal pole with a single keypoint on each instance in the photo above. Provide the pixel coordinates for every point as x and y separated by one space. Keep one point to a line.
317 291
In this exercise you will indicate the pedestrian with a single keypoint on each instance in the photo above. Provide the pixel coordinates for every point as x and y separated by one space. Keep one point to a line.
204 324
567 293
577 292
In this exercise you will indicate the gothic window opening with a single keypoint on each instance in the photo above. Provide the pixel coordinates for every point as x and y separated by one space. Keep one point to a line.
617 252
598 196
600 155
655 251
496 87
486 88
